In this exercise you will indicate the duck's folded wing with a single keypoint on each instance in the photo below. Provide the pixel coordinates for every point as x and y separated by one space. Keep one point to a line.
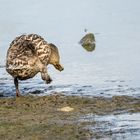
21 49
28 48
20 55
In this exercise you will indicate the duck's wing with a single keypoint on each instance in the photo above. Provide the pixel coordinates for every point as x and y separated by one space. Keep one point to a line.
21 54
43 50
21 48
26 46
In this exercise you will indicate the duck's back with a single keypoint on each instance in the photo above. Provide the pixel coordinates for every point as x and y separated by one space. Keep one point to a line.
23 54
19 53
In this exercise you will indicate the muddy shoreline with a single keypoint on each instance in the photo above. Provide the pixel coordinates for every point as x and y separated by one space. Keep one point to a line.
41 118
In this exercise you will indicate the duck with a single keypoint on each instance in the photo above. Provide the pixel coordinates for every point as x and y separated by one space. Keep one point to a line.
28 55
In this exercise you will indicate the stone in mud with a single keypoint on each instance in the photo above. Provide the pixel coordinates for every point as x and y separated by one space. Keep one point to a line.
88 42
65 109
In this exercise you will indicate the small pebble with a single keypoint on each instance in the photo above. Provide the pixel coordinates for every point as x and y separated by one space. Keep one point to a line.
66 109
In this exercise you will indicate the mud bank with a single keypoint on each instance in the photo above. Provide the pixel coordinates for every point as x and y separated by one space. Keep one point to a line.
59 117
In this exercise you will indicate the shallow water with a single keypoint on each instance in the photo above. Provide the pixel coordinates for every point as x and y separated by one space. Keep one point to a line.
122 126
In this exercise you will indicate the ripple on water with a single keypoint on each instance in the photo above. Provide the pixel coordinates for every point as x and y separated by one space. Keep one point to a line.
8 89
36 86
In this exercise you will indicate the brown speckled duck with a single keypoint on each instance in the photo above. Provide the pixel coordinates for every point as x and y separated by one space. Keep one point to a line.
28 55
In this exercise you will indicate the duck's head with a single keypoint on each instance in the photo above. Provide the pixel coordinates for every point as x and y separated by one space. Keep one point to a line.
55 58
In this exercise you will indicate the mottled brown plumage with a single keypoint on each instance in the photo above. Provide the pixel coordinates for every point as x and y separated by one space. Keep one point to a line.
28 55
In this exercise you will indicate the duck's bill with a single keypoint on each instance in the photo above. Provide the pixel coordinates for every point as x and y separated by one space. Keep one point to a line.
59 67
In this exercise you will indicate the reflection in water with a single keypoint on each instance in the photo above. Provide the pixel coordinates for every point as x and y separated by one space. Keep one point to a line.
88 42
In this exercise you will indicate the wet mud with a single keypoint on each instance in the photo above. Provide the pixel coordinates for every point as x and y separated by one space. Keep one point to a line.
68 117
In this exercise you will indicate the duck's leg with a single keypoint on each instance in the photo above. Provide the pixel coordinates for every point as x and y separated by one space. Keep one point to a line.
45 76
16 86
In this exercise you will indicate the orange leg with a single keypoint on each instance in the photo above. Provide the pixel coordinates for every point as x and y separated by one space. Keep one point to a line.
16 86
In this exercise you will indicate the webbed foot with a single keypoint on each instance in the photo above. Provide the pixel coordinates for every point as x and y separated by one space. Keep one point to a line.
46 78
49 80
